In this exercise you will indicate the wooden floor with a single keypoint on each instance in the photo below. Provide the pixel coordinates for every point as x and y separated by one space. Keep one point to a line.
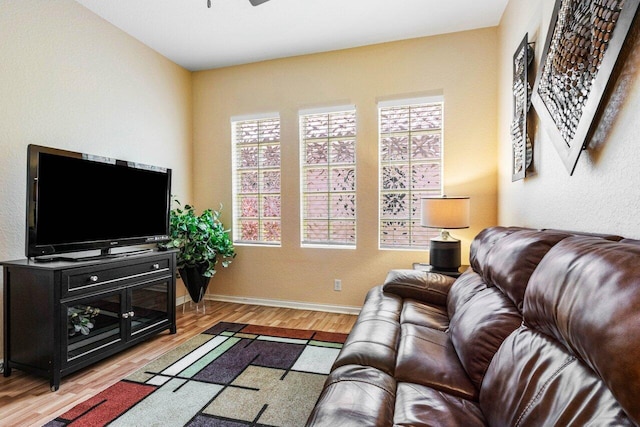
25 400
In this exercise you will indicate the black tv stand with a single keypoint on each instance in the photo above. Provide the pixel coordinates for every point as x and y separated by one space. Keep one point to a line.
127 299
104 254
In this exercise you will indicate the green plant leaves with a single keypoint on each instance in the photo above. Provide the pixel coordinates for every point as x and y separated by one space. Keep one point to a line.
200 239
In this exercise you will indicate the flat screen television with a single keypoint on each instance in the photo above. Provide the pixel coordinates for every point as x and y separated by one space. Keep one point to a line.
79 202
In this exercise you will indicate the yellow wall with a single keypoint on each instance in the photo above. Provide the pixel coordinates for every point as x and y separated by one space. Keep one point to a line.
461 66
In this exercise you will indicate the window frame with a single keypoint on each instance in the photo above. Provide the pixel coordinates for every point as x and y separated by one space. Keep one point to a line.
303 115
236 194
424 234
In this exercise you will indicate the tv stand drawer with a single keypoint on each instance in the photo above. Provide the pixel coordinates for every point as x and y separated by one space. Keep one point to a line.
88 279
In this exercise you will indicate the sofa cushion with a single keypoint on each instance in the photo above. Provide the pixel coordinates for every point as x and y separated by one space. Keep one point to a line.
427 357
420 285
510 264
631 241
482 244
606 236
419 313
381 305
586 295
355 396
467 285
478 328
373 341
417 406
533 381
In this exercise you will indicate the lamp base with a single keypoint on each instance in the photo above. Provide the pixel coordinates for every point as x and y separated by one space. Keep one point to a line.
444 255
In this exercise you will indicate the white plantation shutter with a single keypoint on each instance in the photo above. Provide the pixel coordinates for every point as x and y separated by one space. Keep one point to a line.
328 177
410 153
256 180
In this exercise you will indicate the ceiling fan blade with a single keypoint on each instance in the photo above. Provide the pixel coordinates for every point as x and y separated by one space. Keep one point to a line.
253 2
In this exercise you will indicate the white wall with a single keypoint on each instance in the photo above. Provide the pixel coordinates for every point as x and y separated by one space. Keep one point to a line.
603 195
69 79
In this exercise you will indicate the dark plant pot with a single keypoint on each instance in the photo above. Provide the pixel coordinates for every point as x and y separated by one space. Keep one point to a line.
195 282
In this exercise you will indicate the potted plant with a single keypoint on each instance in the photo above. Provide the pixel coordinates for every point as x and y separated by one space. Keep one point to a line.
81 320
202 241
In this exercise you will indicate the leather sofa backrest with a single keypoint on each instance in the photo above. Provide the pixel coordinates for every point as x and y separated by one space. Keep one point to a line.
631 241
479 327
484 305
482 244
463 289
576 358
511 262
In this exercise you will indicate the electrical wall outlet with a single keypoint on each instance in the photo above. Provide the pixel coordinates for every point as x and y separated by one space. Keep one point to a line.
337 285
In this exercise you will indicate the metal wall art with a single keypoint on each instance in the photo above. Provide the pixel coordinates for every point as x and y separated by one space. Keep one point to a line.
522 149
583 43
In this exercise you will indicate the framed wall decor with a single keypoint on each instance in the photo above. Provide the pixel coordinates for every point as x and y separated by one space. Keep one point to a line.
521 143
582 46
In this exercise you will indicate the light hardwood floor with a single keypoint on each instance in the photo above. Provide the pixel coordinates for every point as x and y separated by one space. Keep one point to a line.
26 400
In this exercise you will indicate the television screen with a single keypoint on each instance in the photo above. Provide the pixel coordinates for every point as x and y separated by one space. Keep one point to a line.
80 202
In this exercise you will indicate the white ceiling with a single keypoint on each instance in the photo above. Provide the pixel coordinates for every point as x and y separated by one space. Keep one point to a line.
234 32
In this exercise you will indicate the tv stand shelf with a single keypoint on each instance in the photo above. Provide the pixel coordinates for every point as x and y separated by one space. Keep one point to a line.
62 316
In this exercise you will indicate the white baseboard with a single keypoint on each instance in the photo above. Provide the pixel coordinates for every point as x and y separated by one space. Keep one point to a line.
343 309
181 300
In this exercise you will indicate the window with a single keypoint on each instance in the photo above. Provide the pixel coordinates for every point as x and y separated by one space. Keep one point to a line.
410 152
256 180
328 176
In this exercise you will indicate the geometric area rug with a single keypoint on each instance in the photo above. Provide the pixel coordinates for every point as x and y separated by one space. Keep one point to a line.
231 375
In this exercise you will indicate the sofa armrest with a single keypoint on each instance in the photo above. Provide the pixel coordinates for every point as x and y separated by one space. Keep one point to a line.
420 285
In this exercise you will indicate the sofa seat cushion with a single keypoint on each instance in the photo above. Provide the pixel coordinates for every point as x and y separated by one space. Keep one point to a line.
427 357
533 380
373 343
419 313
355 396
418 405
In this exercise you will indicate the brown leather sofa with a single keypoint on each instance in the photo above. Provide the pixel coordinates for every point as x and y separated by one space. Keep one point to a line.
542 330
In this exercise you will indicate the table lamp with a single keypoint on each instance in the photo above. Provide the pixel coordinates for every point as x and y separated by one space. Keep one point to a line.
445 213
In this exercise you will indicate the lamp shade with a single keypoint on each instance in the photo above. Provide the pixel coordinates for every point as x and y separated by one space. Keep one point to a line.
445 212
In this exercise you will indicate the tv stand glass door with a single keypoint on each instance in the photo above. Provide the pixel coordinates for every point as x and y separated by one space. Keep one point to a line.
93 323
